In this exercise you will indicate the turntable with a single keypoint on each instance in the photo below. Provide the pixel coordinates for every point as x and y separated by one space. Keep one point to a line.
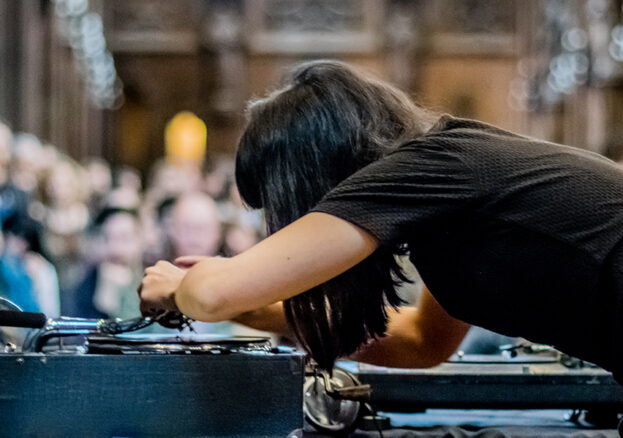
528 376
524 376
81 377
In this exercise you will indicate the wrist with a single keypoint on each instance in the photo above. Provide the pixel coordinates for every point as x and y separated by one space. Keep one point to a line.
175 301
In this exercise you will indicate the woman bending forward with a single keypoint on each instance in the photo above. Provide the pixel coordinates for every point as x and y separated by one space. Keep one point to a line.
517 235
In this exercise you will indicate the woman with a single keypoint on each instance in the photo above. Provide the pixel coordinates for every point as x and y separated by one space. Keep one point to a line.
517 235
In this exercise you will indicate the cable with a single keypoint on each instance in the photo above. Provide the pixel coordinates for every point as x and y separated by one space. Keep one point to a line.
10 304
374 419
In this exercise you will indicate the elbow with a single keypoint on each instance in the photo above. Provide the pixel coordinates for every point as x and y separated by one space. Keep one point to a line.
210 309
423 354
420 359
432 356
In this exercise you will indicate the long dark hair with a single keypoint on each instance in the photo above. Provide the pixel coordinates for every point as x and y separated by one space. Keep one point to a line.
325 123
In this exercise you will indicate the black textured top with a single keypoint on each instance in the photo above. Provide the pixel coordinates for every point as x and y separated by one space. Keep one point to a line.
517 235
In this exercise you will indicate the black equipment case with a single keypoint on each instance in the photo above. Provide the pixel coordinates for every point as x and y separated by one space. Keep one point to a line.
151 395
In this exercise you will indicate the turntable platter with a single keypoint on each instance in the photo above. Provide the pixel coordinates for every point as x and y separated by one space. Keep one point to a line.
132 343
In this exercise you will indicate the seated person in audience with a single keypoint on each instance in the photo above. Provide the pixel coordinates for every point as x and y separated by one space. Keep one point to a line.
109 288
27 279
65 216
24 253
193 226
15 282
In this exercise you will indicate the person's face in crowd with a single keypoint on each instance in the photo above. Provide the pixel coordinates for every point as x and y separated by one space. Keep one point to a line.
129 178
195 228
62 185
171 179
124 197
15 245
99 177
28 161
122 240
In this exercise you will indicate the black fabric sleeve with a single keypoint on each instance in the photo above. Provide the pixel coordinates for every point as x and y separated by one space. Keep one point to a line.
419 183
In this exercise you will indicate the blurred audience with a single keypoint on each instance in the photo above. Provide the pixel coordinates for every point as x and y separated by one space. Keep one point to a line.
76 237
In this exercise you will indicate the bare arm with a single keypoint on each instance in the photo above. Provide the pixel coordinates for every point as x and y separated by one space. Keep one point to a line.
268 319
302 255
417 337
306 253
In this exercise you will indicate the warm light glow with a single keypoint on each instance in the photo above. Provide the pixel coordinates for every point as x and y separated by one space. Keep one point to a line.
185 138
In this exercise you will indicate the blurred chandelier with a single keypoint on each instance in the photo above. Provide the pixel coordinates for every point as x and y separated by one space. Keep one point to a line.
83 31
577 44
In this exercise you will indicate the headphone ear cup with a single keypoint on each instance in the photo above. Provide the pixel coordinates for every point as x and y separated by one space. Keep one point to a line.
324 411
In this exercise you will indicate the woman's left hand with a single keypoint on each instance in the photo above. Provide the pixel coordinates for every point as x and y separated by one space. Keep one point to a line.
157 290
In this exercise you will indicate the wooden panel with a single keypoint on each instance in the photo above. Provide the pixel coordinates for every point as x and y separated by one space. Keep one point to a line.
155 26
314 26
471 87
157 87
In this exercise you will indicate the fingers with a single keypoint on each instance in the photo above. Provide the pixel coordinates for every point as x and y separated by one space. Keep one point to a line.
188 261
146 306
160 268
157 289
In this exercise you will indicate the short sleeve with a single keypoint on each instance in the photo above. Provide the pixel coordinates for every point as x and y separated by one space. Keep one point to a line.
420 183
